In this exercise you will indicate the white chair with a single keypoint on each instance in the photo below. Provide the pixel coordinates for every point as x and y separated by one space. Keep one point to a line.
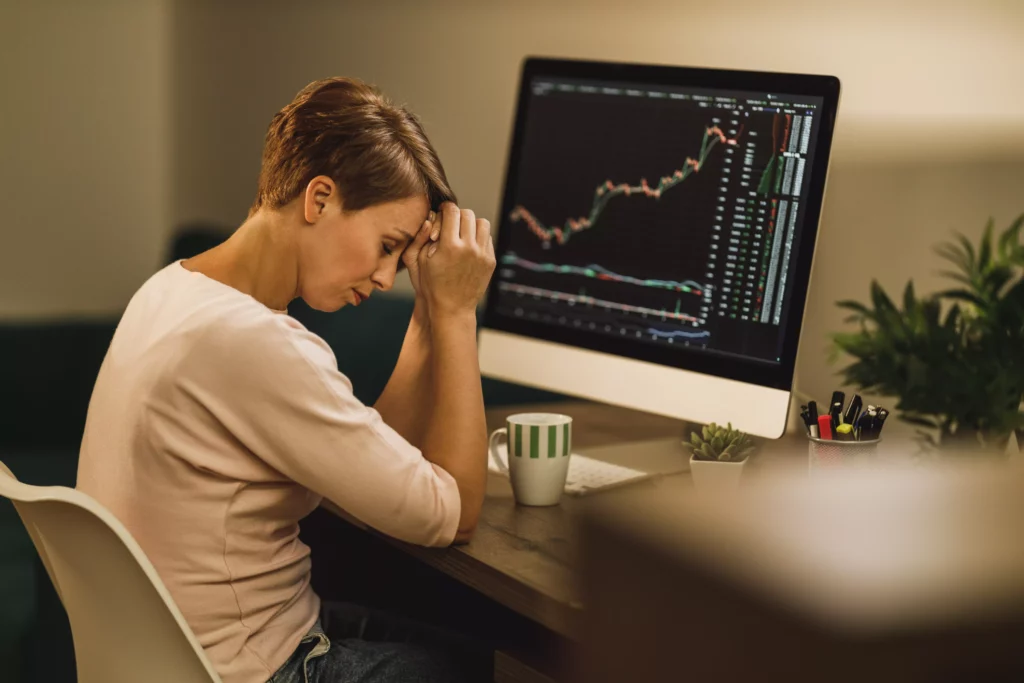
123 621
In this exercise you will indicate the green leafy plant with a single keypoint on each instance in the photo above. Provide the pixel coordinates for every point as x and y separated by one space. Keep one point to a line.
720 444
954 359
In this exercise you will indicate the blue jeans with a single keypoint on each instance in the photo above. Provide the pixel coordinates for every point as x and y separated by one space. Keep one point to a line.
354 644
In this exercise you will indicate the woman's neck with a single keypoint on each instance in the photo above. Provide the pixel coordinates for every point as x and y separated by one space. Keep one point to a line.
260 259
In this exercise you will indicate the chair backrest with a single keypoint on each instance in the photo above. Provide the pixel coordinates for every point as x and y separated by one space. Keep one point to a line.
124 623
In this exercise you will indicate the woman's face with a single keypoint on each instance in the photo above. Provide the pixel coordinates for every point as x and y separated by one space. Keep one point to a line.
345 256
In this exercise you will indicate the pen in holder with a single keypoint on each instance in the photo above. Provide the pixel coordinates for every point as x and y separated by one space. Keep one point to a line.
831 453
846 435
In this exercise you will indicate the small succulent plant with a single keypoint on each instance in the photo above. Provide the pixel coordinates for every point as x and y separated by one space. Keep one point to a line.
720 444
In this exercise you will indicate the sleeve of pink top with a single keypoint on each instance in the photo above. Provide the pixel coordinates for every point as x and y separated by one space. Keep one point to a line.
277 388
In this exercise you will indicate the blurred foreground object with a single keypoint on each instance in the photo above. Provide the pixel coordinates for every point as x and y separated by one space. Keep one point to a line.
869 574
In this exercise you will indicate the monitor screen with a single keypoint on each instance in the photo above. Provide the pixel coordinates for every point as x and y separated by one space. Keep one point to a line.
662 220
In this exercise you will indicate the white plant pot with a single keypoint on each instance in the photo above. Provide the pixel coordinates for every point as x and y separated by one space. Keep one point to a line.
714 475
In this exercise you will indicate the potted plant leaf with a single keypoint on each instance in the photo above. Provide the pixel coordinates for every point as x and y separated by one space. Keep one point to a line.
719 455
955 359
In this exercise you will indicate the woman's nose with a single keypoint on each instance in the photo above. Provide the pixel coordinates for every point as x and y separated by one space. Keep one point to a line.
384 278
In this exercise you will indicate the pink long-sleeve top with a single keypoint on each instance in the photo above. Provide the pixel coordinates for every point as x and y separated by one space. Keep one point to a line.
215 425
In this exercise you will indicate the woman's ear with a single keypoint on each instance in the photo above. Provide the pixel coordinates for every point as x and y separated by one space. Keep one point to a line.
320 191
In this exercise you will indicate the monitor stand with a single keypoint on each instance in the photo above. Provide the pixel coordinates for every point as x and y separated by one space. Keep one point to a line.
656 456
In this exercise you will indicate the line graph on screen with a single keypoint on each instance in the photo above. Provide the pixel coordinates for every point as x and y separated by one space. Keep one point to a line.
608 190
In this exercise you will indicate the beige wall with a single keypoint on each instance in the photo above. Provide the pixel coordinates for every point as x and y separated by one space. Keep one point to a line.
931 134
925 83
880 222
84 153
930 138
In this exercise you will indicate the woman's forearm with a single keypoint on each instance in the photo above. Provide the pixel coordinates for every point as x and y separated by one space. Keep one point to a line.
456 436
405 404
434 399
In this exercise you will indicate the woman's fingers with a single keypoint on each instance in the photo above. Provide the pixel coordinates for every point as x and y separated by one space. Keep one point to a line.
483 233
425 233
420 239
423 236
467 225
454 225
435 226
450 219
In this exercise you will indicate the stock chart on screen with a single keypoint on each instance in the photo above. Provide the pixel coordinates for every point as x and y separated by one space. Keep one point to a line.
665 215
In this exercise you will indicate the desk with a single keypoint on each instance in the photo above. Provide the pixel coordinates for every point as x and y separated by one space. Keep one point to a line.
522 557
521 560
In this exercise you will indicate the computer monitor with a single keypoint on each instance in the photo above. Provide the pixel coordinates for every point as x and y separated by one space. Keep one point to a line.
656 237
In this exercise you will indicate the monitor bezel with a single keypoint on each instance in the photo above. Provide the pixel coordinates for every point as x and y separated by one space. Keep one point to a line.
775 375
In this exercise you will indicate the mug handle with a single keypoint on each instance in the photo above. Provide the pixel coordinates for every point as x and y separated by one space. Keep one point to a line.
492 446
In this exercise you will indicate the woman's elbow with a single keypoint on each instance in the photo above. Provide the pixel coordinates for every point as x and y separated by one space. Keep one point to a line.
469 515
464 535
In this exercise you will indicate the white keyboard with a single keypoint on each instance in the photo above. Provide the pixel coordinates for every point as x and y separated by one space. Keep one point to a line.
586 475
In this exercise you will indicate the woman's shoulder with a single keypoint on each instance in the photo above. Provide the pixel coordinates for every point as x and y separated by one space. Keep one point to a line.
249 336
212 321
260 354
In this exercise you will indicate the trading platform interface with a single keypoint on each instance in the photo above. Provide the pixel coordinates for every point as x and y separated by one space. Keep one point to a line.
666 215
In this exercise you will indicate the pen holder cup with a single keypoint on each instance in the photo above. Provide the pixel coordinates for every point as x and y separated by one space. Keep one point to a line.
825 453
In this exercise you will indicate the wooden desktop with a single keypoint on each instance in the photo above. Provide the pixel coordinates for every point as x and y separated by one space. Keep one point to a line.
522 558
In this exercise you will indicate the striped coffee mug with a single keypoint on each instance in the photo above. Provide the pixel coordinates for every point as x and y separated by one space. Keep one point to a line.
539 445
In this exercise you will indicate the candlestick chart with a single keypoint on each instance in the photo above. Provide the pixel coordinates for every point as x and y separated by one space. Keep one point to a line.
653 220
621 257
608 190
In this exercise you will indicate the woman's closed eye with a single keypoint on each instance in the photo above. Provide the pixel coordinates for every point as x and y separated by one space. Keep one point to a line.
388 251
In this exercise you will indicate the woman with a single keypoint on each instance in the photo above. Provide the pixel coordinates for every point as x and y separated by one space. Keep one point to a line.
218 422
